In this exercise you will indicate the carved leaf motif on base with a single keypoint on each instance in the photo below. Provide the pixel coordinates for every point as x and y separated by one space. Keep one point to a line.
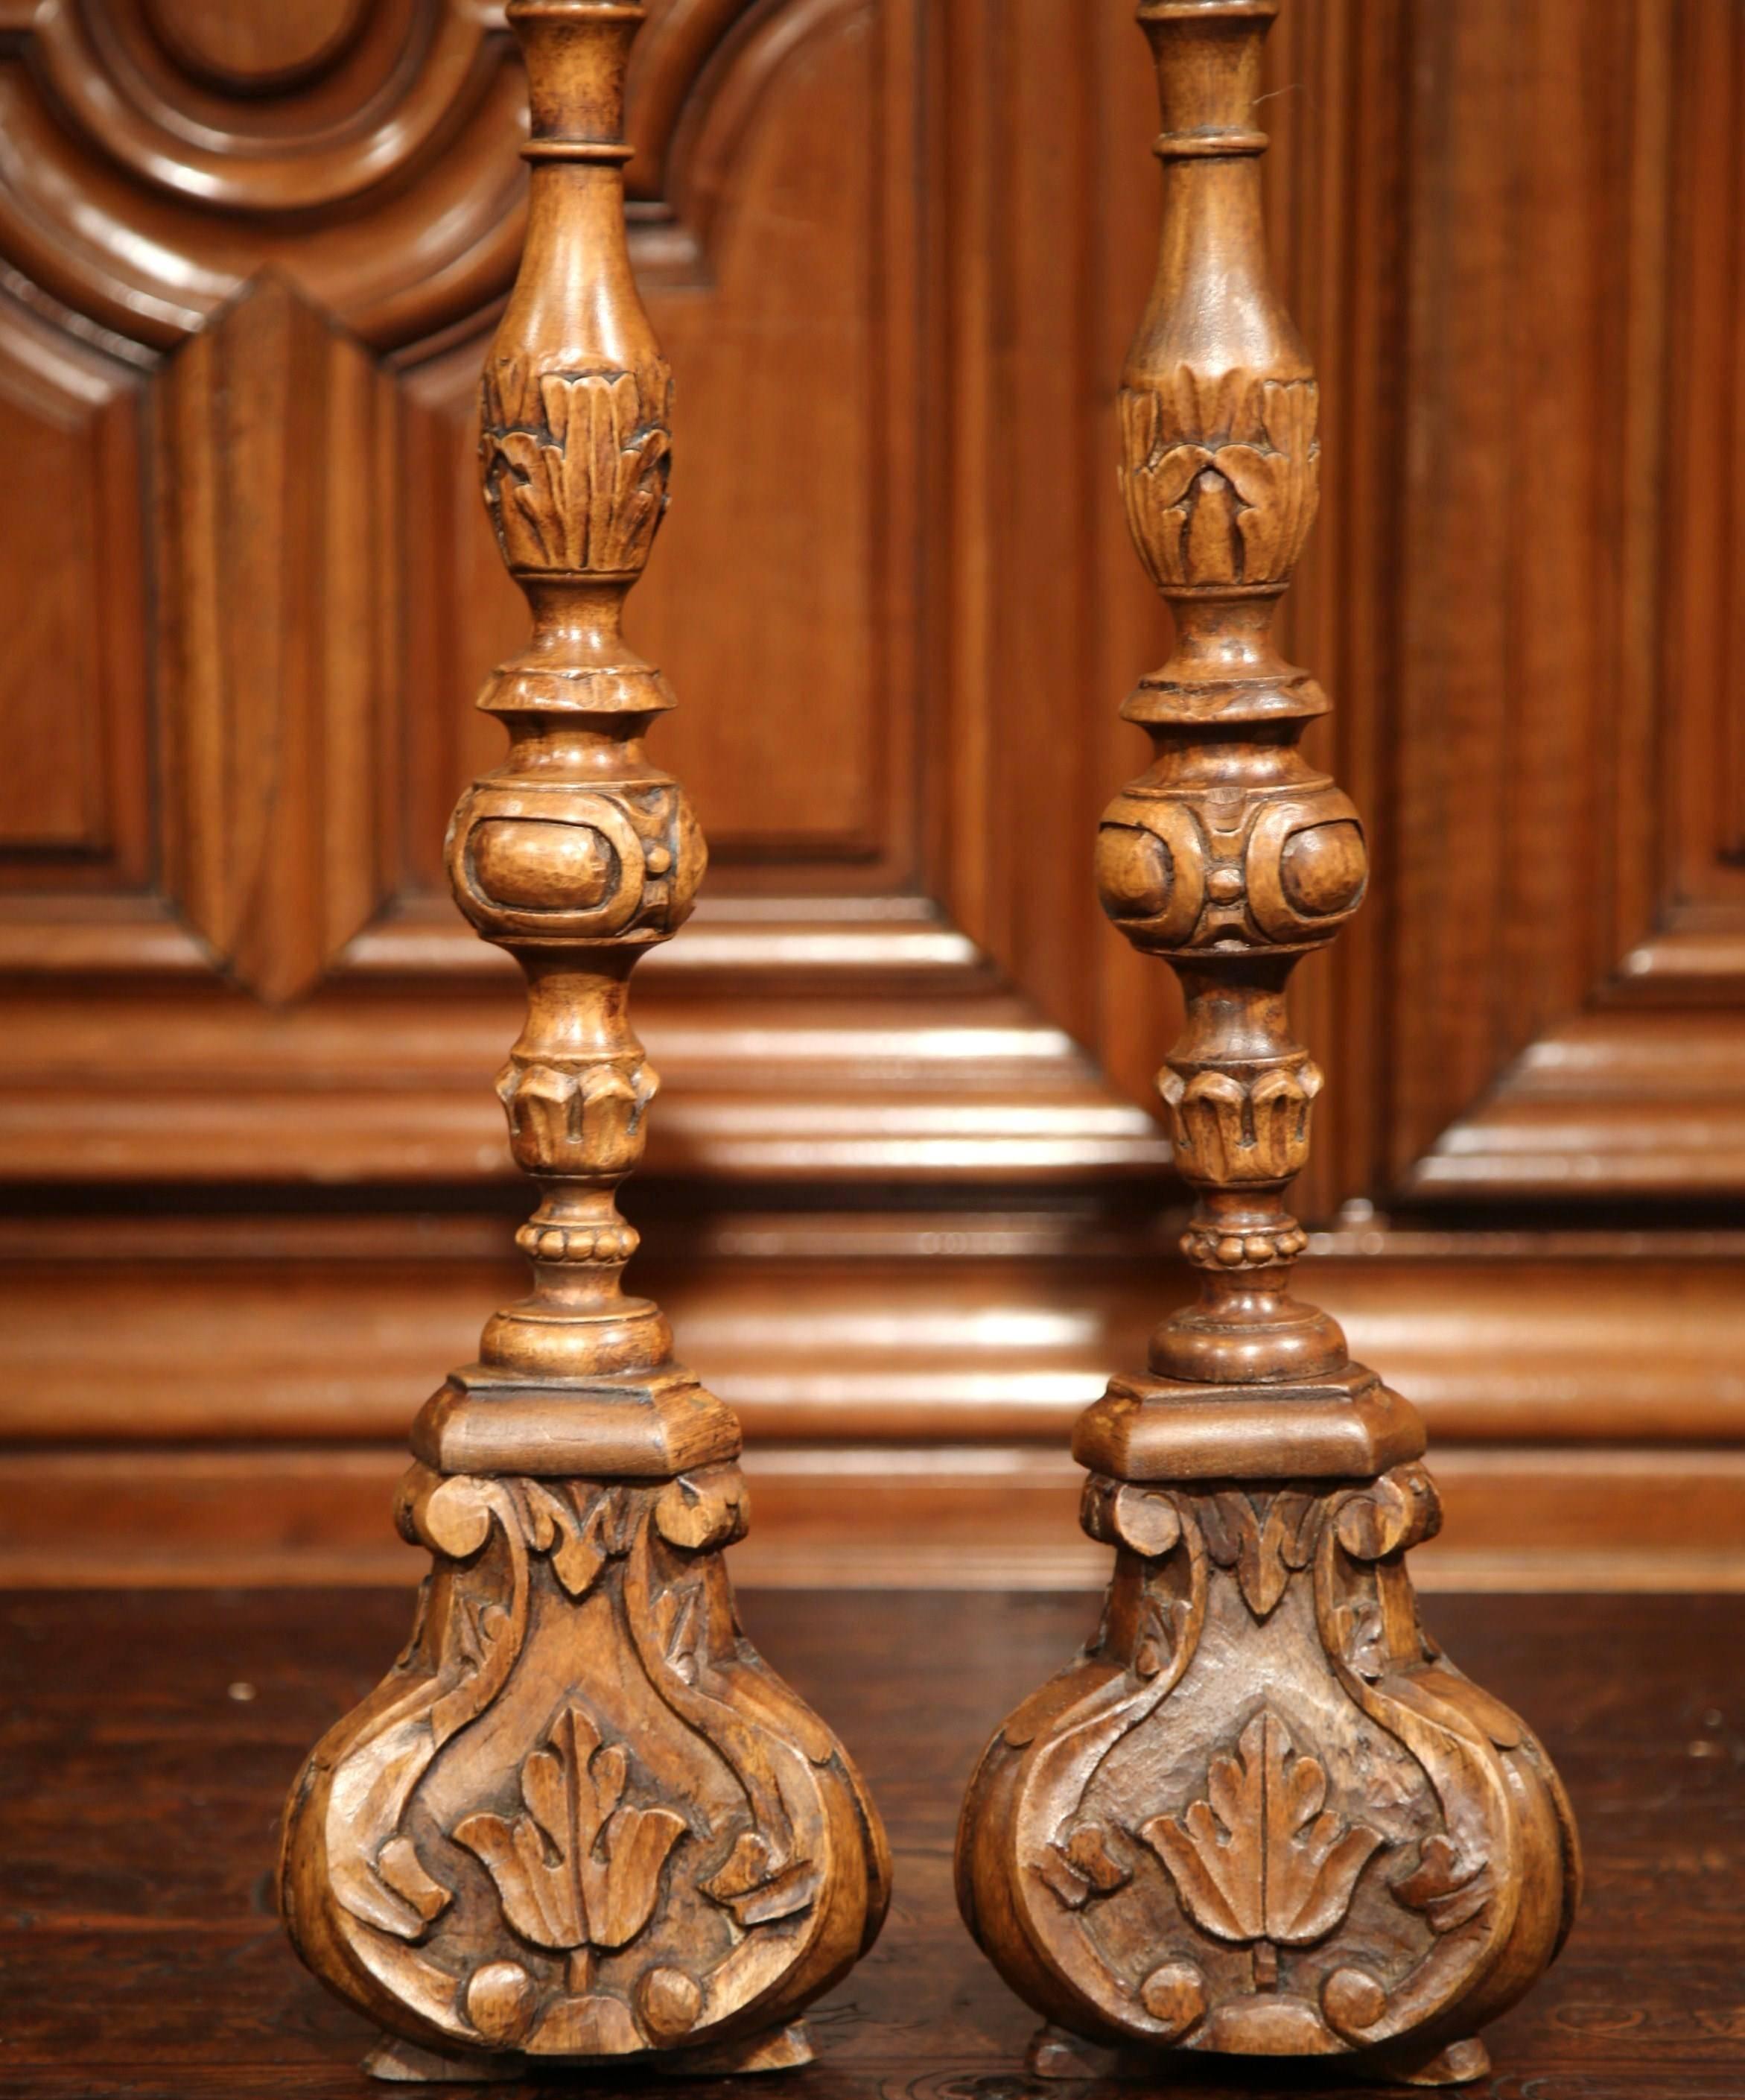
1253 1445
582 1867
1261 1858
668 1848
578 1540
1266 1539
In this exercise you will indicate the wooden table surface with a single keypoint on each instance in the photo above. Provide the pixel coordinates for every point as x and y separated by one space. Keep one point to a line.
146 1741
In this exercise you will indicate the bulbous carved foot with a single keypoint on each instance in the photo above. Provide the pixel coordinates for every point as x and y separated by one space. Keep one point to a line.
580 1818
404 2062
1055 2055
1261 1814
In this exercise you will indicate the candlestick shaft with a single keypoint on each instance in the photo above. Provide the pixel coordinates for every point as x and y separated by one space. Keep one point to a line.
1261 1814
580 1819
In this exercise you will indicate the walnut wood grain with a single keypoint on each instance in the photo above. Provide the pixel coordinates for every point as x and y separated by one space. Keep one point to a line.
580 1819
1260 1814
138 1964
274 746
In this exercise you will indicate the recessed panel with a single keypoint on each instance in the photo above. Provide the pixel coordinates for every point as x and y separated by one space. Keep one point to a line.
769 600
73 777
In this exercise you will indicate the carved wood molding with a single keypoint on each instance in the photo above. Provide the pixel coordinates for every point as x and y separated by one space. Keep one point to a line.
276 634
785 1086
151 167
287 896
409 115
1584 1102
1478 1049
968 1326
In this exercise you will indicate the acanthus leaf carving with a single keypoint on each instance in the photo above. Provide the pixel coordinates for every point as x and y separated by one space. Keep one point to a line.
1232 856
1228 1130
1165 1635
1220 475
574 1483
1261 1859
576 1122
577 1531
1266 1547
582 1867
1362 1638
575 467
378 1878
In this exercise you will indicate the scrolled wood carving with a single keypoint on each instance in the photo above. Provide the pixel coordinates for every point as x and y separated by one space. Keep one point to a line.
652 1834
1261 1814
1346 1845
580 1818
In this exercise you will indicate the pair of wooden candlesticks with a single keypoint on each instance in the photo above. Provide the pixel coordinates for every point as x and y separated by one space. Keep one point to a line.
580 1819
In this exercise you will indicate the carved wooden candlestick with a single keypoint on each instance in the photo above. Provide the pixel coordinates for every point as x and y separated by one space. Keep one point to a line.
1261 1814
580 1818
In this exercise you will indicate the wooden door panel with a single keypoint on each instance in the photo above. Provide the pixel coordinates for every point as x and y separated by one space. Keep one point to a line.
895 249
75 811
902 579
890 593
301 361
1570 929
770 606
275 636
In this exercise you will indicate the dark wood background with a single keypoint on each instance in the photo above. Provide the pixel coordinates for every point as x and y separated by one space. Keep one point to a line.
906 1199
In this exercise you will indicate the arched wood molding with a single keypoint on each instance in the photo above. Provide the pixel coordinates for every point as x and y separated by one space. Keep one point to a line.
382 176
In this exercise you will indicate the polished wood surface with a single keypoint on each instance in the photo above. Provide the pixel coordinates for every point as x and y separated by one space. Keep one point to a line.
247 249
147 1741
580 1818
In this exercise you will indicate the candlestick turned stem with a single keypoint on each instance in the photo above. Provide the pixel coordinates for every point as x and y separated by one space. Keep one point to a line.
1261 1814
580 1818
